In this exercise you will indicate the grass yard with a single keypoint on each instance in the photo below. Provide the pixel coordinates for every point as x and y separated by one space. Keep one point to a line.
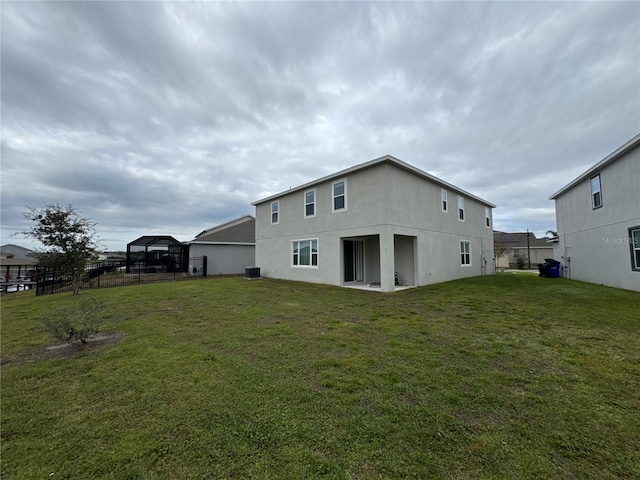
507 376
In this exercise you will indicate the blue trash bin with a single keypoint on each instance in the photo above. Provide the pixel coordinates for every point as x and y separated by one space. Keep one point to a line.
552 268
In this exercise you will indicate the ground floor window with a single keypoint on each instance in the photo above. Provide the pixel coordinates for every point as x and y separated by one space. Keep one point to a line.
465 253
634 242
305 253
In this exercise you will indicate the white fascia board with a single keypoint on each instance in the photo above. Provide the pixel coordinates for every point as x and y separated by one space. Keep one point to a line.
385 159
197 242
634 142
224 226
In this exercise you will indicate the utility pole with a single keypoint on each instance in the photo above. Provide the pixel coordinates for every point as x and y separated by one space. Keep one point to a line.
528 249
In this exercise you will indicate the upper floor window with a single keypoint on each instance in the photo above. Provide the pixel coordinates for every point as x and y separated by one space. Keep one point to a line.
465 253
596 192
445 206
305 253
310 203
487 217
340 195
634 242
460 208
275 212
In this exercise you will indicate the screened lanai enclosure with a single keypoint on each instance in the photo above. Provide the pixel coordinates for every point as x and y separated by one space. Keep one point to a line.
157 254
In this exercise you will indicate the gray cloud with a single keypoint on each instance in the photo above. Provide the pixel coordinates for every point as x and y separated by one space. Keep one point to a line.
172 117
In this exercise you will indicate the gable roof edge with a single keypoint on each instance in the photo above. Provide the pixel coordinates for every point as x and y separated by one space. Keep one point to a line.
201 242
362 166
224 226
613 156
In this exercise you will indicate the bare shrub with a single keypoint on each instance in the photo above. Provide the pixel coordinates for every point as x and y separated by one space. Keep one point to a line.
75 322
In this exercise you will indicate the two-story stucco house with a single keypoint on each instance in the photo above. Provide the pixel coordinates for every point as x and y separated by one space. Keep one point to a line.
598 221
382 224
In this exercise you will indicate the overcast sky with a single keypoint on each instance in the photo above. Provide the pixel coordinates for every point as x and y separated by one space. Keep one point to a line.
170 118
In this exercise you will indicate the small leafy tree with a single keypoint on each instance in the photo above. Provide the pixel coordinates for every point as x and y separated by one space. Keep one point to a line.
69 238
75 322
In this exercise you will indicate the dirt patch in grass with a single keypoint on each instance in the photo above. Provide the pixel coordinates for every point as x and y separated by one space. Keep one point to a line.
64 350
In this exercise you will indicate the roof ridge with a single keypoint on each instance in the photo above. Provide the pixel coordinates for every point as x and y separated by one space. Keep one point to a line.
222 226
384 159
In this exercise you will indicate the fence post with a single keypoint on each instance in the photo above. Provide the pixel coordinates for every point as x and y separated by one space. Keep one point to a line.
204 266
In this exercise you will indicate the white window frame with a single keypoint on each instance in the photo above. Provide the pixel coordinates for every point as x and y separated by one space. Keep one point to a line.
487 217
311 253
461 208
334 196
314 203
276 212
594 204
635 248
444 203
467 253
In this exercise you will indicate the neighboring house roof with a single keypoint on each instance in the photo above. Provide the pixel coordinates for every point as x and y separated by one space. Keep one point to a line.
612 157
519 239
149 240
14 262
378 161
240 230
15 250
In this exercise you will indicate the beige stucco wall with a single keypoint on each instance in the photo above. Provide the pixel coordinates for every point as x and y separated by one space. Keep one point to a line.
392 209
225 259
593 243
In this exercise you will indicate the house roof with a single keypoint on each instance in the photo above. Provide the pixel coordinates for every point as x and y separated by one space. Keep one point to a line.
149 240
612 157
14 262
519 239
240 230
15 250
378 161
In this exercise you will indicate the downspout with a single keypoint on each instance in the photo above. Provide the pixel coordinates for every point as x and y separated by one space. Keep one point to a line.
566 258
482 262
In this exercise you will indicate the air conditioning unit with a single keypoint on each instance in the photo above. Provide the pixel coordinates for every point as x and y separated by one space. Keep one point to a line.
252 272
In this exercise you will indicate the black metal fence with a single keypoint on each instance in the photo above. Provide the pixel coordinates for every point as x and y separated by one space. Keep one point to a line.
114 274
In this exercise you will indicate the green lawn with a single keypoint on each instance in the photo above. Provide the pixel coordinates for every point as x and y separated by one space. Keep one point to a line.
507 376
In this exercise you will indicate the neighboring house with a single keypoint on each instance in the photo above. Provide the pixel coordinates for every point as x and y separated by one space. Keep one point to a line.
598 221
14 251
380 224
15 263
112 256
15 268
229 247
513 248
